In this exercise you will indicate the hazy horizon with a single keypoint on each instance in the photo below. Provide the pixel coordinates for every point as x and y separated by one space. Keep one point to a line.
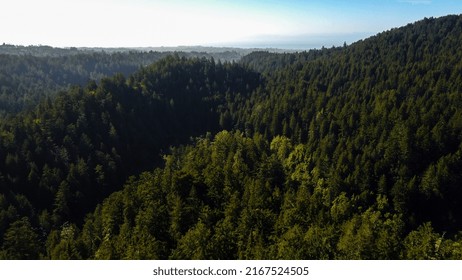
294 43
293 24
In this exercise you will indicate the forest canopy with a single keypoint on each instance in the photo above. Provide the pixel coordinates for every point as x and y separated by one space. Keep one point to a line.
351 152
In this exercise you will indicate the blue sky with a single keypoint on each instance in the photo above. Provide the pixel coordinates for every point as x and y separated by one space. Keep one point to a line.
244 23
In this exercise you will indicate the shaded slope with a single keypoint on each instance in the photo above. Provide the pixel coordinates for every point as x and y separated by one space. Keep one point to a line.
59 160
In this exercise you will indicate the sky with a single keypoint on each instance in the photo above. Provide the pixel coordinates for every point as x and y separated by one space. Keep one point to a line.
292 24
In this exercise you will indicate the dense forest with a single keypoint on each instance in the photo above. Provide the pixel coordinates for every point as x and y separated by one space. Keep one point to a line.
30 74
350 152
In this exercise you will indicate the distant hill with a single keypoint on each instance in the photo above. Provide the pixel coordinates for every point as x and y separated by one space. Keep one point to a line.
29 74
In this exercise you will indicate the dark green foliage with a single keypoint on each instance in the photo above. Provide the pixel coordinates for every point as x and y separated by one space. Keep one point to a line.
70 153
30 74
20 241
27 79
342 153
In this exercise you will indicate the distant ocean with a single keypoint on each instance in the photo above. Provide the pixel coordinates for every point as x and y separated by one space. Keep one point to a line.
301 42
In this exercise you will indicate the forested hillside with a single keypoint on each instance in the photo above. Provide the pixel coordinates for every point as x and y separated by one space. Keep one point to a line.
344 153
61 159
31 74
